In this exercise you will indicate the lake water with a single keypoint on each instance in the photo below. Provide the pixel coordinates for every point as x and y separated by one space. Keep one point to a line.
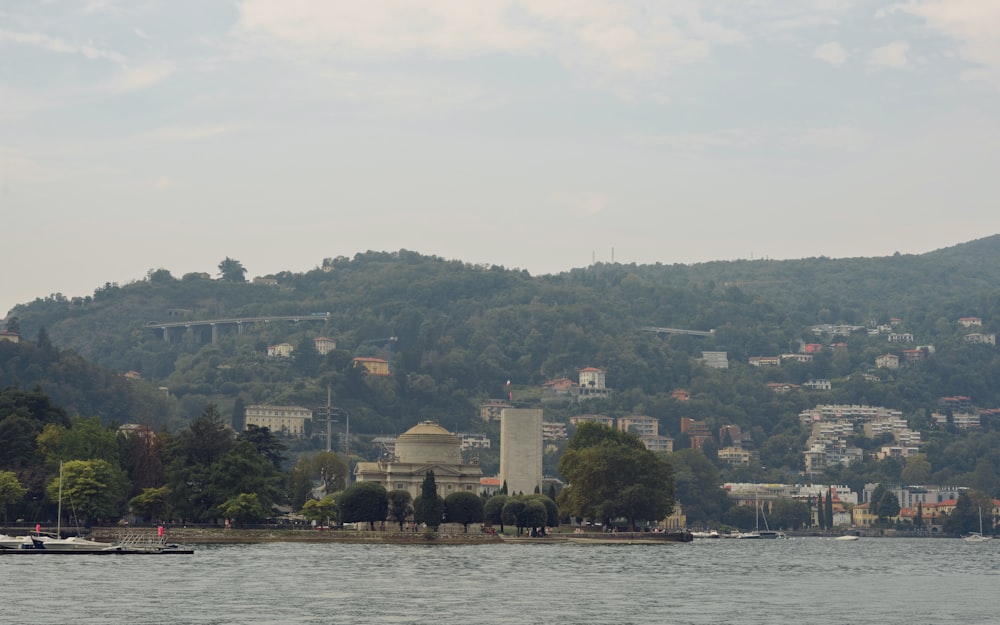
806 580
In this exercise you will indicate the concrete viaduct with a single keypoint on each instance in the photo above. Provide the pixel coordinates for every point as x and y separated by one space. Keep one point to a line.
174 329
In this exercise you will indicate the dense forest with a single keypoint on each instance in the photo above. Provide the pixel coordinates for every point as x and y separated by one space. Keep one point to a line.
455 333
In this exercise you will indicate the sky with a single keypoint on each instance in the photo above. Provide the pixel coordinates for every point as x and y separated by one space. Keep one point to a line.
546 135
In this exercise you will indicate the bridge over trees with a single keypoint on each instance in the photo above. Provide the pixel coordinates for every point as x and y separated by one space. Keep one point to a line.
238 322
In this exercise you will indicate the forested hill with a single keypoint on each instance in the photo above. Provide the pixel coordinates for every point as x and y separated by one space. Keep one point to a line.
461 331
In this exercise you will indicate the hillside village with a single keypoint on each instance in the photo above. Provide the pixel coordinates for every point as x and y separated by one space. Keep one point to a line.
739 375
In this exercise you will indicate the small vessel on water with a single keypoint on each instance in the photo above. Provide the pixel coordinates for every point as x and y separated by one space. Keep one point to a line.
758 533
978 537
847 537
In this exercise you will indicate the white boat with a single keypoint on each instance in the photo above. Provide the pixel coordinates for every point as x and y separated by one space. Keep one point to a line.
978 537
711 534
14 542
73 543
758 533
847 537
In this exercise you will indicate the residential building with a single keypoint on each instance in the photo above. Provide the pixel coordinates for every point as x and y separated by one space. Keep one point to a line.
956 402
560 389
680 394
12 337
730 436
592 384
981 339
658 443
968 322
782 387
374 366
961 420
593 418
490 409
887 361
285 420
639 424
913 355
473 441
765 361
553 431
734 456
797 357
715 360
281 350
697 431
818 385
324 345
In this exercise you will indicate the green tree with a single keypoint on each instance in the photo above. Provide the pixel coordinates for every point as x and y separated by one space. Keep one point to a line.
512 513
90 489
239 414
232 270
244 507
325 510
11 491
430 506
828 509
493 509
364 502
789 514
697 487
153 503
917 470
400 506
612 475
883 503
463 507
265 442
820 513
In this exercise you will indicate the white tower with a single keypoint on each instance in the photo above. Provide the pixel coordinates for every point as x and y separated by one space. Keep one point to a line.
521 450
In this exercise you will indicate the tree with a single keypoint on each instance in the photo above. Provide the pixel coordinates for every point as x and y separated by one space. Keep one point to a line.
612 475
232 270
239 414
90 489
244 507
364 502
265 443
152 503
789 514
828 510
430 506
512 512
11 491
325 510
400 506
493 510
918 521
883 503
820 513
917 470
696 482
463 507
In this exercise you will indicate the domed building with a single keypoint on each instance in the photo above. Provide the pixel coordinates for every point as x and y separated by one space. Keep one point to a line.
425 447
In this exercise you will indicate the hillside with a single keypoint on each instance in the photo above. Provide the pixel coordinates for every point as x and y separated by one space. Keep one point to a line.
462 331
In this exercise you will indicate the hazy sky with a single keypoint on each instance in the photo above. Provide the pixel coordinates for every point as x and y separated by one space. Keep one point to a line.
147 134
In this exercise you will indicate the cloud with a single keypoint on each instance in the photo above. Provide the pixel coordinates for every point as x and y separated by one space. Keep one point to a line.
973 24
162 183
179 134
138 77
608 43
892 56
830 52
582 203
842 137
53 44
699 142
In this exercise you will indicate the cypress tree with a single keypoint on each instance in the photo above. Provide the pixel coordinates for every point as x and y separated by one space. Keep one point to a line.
828 515
820 521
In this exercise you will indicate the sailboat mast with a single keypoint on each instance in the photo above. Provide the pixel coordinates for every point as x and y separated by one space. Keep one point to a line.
59 506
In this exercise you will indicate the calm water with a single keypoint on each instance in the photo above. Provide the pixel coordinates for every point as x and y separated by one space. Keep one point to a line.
810 580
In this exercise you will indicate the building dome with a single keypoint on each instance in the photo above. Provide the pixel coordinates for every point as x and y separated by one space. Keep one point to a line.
428 443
